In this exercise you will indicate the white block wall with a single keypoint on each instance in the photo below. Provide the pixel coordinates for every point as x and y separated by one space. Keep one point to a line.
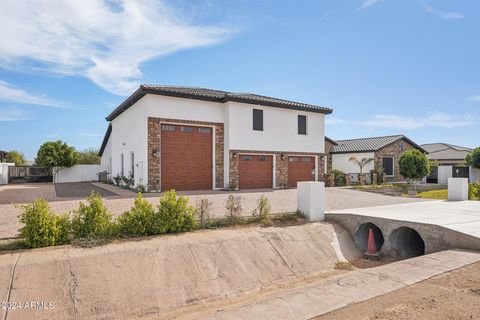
340 162
474 175
444 173
4 172
79 173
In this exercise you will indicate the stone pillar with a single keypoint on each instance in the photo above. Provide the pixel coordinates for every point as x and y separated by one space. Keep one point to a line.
311 200
374 178
348 181
457 189
361 179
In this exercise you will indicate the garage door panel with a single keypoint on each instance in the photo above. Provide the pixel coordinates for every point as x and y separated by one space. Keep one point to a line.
186 158
300 169
256 171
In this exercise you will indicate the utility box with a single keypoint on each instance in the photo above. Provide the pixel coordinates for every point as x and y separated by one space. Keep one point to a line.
457 189
311 200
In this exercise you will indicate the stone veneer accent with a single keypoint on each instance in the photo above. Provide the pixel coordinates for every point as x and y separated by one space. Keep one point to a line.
328 151
281 166
154 143
392 150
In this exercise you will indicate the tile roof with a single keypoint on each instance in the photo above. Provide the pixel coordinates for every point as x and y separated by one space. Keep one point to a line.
369 144
445 151
214 96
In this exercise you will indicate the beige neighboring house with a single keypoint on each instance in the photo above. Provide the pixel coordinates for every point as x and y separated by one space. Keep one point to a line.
448 160
385 152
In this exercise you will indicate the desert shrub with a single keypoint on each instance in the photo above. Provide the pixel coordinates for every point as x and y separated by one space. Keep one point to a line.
42 227
93 220
339 177
262 211
380 175
138 221
203 208
234 208
474 191
174 214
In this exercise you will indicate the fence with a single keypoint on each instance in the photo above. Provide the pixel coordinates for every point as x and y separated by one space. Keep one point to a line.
25 174
79 173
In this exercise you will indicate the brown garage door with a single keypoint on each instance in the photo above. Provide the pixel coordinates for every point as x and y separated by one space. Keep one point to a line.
186 157
300 169
256 171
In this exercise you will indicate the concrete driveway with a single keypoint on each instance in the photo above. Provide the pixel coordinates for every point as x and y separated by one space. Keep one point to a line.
281 201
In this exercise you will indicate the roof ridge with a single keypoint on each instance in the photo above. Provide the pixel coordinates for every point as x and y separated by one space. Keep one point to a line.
377 137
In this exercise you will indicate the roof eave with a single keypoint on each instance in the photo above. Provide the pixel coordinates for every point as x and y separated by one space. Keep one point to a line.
105 140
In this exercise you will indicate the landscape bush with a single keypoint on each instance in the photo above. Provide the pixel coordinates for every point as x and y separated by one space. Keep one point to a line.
474 191
203 208
262 211
380 175
93 220
42 227
234 208
173 214
339 177
414 165
138 221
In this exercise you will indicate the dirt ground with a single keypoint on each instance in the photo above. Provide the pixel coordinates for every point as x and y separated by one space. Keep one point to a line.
452 295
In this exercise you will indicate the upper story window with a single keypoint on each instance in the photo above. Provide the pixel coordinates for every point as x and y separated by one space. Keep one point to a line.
302 124
257 119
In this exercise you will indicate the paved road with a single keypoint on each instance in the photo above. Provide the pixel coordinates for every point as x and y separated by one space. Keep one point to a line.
281 200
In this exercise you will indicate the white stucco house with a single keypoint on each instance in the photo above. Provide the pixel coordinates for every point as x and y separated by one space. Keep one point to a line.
187 138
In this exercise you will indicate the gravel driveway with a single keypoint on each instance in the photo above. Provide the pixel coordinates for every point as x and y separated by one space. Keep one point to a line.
281 201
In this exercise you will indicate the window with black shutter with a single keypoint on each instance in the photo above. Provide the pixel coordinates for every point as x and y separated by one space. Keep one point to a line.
388 166
302 124
257 119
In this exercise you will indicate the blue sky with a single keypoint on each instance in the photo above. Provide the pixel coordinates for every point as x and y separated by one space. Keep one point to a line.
384 66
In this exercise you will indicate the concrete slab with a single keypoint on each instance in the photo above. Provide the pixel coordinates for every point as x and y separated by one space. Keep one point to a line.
460 216
338 292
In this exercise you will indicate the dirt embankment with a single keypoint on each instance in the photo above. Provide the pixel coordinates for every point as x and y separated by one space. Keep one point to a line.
170 275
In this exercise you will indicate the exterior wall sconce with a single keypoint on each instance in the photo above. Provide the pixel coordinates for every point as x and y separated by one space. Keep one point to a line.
155 153
282 157
234 155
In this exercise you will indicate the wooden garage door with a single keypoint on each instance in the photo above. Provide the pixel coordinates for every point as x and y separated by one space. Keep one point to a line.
256 171
300 169
186 157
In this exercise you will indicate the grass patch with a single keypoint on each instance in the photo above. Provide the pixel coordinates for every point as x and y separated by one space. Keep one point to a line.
12 245
373 186
434 194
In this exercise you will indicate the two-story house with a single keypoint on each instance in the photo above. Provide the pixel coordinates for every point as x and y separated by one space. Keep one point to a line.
199 139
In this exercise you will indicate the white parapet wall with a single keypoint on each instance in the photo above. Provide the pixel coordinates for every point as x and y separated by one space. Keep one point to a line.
457 189
79 173
311 200
4 172
474 175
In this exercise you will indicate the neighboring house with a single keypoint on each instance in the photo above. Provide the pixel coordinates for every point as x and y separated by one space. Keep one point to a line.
385 152
196 139
448 161
329 145
3 156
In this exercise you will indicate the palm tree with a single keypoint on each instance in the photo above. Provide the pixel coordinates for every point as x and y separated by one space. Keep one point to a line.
361 163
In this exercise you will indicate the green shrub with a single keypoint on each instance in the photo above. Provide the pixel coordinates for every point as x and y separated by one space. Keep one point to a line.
174 214
473 158
380 175
64 226
42 227
139 220
263 210
93 220
414 165
339 177
474 191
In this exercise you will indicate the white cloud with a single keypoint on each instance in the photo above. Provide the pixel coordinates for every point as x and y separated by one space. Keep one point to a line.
9 93
442 15
368 3
474 98
106 41
436 119
12 114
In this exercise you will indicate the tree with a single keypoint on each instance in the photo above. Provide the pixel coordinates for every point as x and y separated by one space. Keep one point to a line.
473 158
88 156
361 163
414 165
16 157
56 154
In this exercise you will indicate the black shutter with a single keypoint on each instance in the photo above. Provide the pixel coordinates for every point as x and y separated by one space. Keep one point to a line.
258 119
302 124
388 166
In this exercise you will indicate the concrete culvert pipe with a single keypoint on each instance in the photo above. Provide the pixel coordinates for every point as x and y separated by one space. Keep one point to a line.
361 236
407 242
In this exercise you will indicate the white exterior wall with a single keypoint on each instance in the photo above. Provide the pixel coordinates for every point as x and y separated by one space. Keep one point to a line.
4 172
106 158
79 172
340 162
474 175
444 173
